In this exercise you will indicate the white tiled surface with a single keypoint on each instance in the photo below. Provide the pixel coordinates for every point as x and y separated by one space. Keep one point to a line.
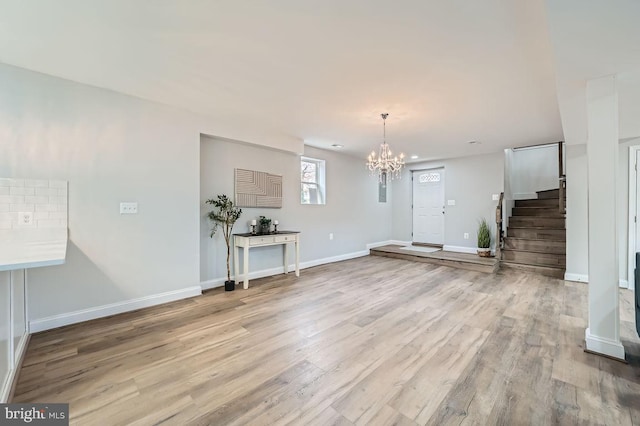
44 241
46 198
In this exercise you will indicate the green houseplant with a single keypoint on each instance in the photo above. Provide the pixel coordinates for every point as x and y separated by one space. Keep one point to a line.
265 225
224 216
484 238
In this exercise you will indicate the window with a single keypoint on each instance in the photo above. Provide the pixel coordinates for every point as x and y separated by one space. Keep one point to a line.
429 177
312 189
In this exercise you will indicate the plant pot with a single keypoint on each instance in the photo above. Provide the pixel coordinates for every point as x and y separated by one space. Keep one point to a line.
264 229
229 285
484 252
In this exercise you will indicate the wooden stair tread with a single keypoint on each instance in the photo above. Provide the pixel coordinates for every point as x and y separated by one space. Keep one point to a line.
539 209
548 193
551 271
537 217
535 241
544 200
543 208
515 262
542 228
558 246
548 190
532 239
549 234
533 251
535 258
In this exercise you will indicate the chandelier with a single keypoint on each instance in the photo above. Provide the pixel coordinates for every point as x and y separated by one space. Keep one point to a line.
384 165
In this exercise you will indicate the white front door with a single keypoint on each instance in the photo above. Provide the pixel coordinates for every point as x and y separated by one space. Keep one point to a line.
428 206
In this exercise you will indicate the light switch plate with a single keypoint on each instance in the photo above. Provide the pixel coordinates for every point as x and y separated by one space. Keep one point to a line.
451 202
128 208
495 197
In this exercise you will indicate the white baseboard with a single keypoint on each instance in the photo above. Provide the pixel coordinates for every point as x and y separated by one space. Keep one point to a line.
332 259
603 346
581 278
5 391
525 195
219 282
461 249
55 321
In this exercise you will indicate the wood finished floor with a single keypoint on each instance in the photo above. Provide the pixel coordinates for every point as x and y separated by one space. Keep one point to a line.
345 344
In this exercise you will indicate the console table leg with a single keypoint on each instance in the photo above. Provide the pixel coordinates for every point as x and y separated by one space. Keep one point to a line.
297 258
285 252
246 267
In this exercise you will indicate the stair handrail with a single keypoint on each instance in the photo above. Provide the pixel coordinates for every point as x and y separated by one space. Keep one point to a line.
499 231
562 178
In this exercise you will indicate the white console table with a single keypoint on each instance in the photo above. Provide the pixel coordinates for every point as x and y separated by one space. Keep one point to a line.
246 241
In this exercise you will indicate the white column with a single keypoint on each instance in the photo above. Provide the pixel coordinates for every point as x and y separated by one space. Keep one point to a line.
603 334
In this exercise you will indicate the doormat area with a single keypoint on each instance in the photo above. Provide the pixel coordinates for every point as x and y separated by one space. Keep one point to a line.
420 248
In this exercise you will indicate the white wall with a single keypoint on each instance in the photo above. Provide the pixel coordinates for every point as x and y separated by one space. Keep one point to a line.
577 222
470 181
111 148
533 169
623 206
352 212
577 216
629 104
628 87
508 202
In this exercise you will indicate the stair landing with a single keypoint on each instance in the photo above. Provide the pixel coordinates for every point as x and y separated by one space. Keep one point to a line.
471 262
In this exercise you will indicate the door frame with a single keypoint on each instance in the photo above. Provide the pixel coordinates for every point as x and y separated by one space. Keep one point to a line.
444 198
632 198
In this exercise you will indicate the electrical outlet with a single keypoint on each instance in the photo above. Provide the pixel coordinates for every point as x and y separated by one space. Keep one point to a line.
451 202
466 235
128 208
495 197
331 236
25 218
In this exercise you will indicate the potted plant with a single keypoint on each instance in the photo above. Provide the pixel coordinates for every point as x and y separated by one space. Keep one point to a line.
265 225
484 239
225 216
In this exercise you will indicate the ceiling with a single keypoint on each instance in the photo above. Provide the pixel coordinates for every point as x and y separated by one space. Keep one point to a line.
592 39
447 72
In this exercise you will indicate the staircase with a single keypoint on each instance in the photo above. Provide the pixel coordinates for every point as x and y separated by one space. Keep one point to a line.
536 236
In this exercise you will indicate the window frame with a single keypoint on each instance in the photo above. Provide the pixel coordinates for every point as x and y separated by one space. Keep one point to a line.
320 179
